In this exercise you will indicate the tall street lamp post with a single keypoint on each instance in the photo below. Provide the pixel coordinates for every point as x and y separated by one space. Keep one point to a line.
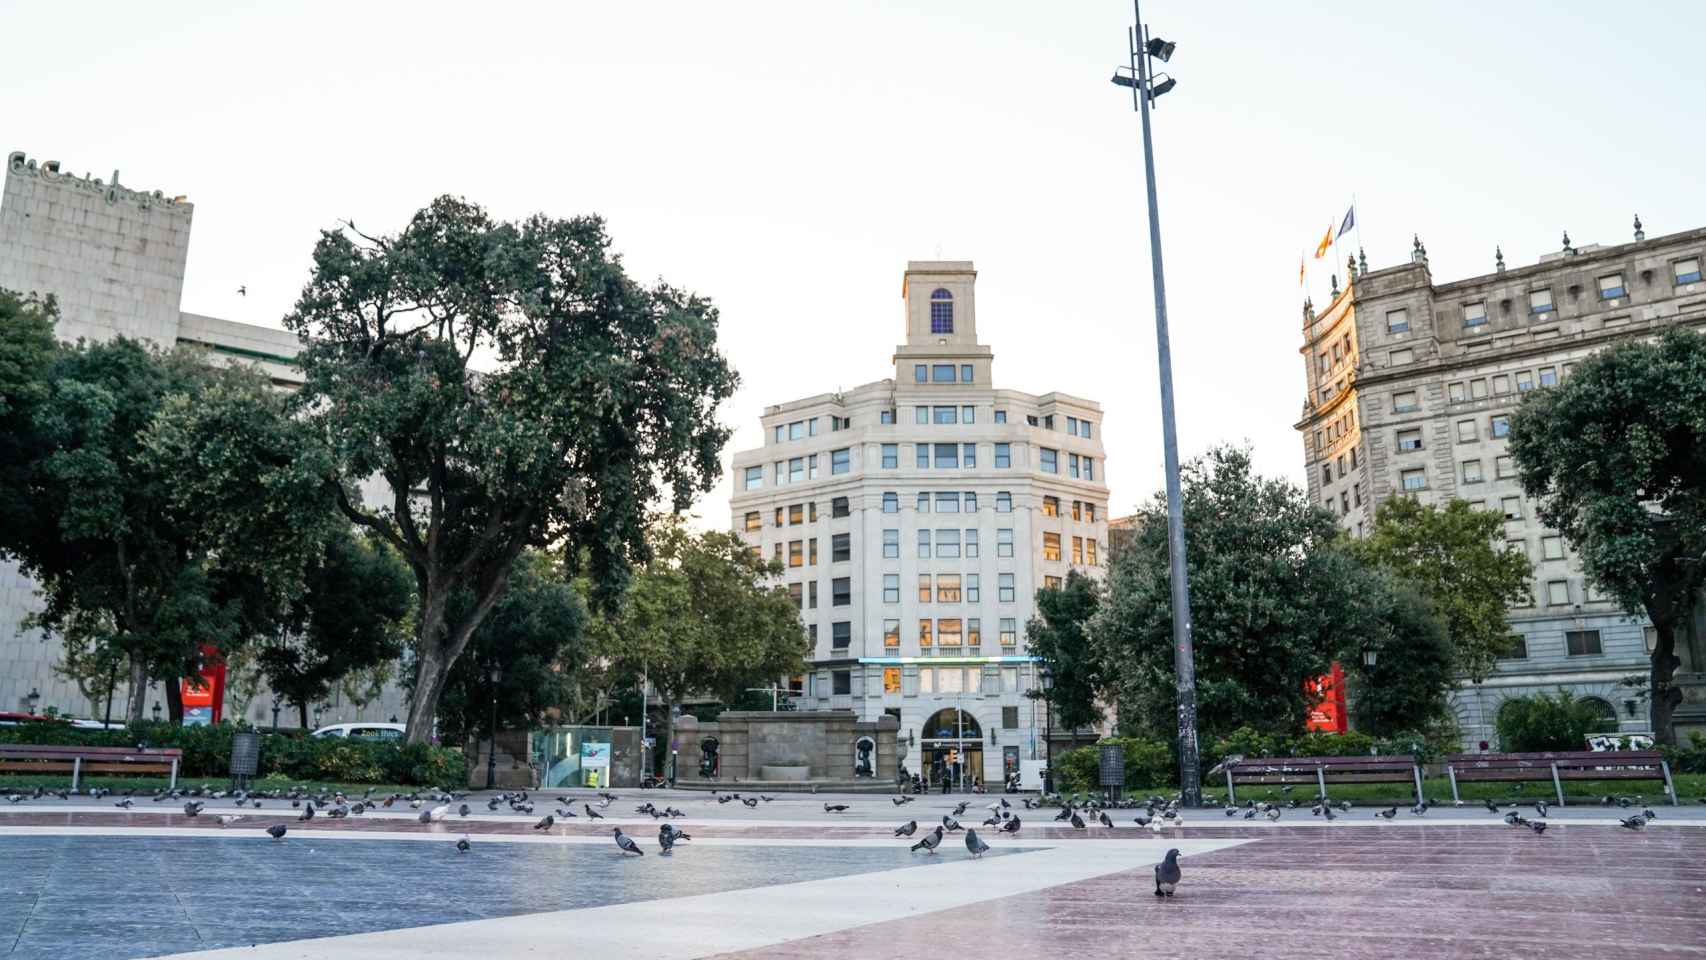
497 676
1144 89
1048 735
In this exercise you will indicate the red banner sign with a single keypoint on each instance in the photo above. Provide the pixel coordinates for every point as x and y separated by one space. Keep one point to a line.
204 693
1327 692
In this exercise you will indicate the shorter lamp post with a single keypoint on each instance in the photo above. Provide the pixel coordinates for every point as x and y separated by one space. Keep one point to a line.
319 710
497 676
156 711
34 697
275 710
1048 736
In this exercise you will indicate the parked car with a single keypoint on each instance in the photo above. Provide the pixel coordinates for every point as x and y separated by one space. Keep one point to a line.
12 719
362 731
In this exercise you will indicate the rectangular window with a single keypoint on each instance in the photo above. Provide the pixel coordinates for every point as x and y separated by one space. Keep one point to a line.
947 456
1557 593
1006 592
1400 357
1051 547
838 507
886 417
891 633
841 591
1540 301
948 633
1084 429
781 516
1072 426
1520 546
971 544
942 373
1072 465
1089 468
1512 507
754 520
973 594
926 678
781 472
1000 416
1455 392
1004 542
967 373
795 595
1051 583
1686 271
754 478
812 544
891 456
922 458
947 588
1003 502
1397 321
1414 479
1552 548
1505 467
1051 506
1516 648
921 415
778 553
812 595
1501 426
840 461
891 679
1548 376
891 544
1090 551
841 682
1466 432
1582 643
811 466
1405 402
944 415
1472 471
781 432
796 553
1010 715
920 373
1611 286
797 430
812 509
840 548
1003 456
1524 382
1409 440
947 503
968 414
924 639
1501 385
796 514
968 453
923 503
947 544
950 680
1050 458
1009 632
974 632
1475 314
891 502
923 544
891 588
1077 549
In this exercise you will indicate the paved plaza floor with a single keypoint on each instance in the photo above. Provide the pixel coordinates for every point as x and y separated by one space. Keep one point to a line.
786 879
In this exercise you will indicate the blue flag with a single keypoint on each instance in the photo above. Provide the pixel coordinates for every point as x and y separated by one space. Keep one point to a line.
1349 222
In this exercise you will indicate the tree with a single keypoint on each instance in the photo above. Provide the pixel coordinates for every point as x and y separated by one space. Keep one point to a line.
594 396
536 635
1270 603
1456 556
1408 687
1544 721
705 615
348 619
1616 459
1058 636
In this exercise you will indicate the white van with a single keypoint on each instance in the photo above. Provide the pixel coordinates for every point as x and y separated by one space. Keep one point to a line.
362 731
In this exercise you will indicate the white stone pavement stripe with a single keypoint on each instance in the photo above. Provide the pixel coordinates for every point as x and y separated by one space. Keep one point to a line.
689 927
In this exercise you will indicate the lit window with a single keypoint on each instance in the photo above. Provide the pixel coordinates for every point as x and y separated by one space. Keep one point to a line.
1397 321
891 502
1050 460
1003 456
974 634
1414 479
1051 506
891 638
796 553
947 588
1051 546
891 588
1004 542
1687 271
1409 440
941 311
1009 631
840 461
1077 550
754 520
891 456
891 675
1540 301
1005 589
1404 402
795 595
796 514
1611 286
1475 314
923 641
1090 508
948 632
1090 551
1051 583
754 478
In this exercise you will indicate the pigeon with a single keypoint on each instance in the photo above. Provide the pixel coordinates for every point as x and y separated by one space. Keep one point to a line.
1540 807
1274 814
1231 811
1107 821
976 845
1636 822
277 831
675 833
1419 809
1011 826
546 823
1538 826
1167 874
1142 820
749 802
930 842
593 814
1492 807
898 801
425 817
124 804
950 824
463 845
1650 815
462 811
307 812
906 829
1388 813
666 840
193 808
626 843
960 810
1514 819
1078 821
1327 812
834 807
227 819
1065 813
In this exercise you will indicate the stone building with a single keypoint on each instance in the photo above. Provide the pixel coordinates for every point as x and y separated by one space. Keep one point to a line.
114 259
916 517
1411 386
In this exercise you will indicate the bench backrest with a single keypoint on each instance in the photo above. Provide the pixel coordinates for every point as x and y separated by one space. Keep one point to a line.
1518 761
21 751
1309 764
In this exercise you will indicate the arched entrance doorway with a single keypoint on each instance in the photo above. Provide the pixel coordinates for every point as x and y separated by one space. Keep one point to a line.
951 748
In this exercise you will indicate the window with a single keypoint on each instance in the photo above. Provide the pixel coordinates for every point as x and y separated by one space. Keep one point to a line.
1004 542
891 544
891 633
1326 473
923 503
778 553
1403 356
840 423
838 507
1611 286
968 454
1472 471
942 373
841 682
1404 402
1078 550
1009 632
1512 507
1552 548
944 415
891 680
886 417
1475 314
973 595
1009 715
1686 271
1540 301
1051 583
968 414
1050 458
840 548
1548 376
924 544
891 588
1455 393
841 637
1000 416
781 514
1397 321
1089 468
926 680
796 514
812 509
971 501
1072 465
754 520
1501 385
1051 547
1003 456
974 632
1524 382
924 641
941 311
1031 419
1003 502
754 478
950 680
839 461
1356 492
891 456
947 588
1077 510
796 553
1582 643
1409 440
1090 508
947 503
891 502
948 632
1051 506
781 432
812 544
1414 479
1084 429
811 466
812 601
794 594
841 591
921 415
947 544
922 460
1466 432
966 375
920 373
1501 426
1072 426
1516 648
1090 551
1005 589
947 456
1520 546
1504 467
1048 421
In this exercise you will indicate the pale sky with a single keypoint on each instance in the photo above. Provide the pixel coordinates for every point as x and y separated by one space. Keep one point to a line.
788 158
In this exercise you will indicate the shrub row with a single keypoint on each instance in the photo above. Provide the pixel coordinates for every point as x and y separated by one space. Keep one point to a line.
207 753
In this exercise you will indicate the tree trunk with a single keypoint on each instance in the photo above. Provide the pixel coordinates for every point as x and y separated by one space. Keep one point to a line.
438 649
667 742
138 691
430 678
302 713
174 701
1665 697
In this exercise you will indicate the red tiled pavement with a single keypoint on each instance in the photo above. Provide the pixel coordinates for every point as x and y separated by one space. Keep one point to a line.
1394 893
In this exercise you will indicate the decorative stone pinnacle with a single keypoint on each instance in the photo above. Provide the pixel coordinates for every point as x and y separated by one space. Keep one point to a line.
1418 253
1639 233
1498 259
1350 268
1362 261
1335 284
1569 251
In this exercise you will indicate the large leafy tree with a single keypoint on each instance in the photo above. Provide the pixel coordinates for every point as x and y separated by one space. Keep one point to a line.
1455 555
1270 603
704 615
536 636
1616 458
1408 686
513 388
1058 635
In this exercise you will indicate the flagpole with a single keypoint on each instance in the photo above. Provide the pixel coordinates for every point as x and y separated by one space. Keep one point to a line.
1358 224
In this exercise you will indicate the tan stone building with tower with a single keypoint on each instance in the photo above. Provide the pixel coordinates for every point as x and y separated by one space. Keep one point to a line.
1411 384
916 517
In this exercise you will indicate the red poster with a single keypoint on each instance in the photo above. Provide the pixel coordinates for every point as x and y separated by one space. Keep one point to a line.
1328 693
204 693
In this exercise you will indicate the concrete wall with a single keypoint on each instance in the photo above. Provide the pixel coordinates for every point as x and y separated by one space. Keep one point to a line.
825 739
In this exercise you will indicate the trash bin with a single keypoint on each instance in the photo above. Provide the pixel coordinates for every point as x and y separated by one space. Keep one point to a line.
1110 759
245 758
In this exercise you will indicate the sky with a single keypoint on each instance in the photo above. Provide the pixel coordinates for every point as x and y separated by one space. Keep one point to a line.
786 159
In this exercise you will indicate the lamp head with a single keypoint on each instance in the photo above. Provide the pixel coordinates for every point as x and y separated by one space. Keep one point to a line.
1157 89
1160 49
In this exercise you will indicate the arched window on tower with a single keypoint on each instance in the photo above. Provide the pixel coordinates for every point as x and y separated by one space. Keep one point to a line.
941 311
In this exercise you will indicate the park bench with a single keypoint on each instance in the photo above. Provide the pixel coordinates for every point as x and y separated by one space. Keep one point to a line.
1559 766
78 761
1320 771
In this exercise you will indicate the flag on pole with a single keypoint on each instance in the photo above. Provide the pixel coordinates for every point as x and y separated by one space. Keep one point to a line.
1349 222
1326 243
1300 264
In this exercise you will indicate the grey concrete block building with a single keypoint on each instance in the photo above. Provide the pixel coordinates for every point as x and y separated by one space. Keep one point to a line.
915 518
1411 386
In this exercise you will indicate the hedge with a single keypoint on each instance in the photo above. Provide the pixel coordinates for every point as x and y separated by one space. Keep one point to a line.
207 753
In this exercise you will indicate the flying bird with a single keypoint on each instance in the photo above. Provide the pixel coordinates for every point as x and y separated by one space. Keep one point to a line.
975 844
930 842
1167 874
906 829
626 843
243 290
